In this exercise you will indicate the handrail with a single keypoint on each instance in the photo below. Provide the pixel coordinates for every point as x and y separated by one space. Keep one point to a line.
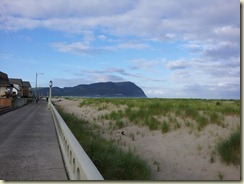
78 164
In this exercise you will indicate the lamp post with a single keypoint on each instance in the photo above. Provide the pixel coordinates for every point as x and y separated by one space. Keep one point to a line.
36 83
50 92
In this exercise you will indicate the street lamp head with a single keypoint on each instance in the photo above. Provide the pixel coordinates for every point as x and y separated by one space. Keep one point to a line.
50 83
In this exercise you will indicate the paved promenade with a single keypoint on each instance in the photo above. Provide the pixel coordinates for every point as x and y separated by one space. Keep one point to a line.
29 147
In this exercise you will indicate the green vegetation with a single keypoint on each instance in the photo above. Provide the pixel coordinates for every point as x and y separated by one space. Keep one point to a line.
202 121
230 149
112 162
152 112
157 114
165 127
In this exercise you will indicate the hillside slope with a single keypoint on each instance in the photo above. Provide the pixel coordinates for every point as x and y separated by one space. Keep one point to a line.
101 89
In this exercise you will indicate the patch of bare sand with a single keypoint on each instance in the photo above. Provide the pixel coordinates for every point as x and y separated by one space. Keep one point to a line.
182 154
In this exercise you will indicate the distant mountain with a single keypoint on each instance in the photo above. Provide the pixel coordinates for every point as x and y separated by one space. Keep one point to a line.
101 89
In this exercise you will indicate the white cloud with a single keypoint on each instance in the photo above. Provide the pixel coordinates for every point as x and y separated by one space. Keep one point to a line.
228 31
212 91
146 64
131 45
155 92
102 37
108 78
179 64
86 47
205 22
63 8
108 71
182 76
224 50
138 18
77 48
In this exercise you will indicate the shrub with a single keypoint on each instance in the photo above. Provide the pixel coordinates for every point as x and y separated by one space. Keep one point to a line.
218 103
229 149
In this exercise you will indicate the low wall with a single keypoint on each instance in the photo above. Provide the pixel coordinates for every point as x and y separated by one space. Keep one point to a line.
6 102
79 166
14 102
19 102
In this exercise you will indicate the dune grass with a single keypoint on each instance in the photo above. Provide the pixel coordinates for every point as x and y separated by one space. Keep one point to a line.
165 127
111 161
230 149
159 114
147 112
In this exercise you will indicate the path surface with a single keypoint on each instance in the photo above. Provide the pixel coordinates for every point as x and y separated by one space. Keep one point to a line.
29 148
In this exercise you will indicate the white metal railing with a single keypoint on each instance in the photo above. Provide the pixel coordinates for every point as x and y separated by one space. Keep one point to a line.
78 164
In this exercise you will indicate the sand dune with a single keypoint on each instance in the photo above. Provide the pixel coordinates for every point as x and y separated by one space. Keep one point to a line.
181 154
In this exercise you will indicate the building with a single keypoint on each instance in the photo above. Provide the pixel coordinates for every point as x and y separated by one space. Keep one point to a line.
27 92
17 86
4 84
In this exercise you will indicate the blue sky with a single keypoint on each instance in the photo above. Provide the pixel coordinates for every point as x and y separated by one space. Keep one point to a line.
171 49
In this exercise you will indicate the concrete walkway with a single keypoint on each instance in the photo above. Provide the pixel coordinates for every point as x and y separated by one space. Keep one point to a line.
29 148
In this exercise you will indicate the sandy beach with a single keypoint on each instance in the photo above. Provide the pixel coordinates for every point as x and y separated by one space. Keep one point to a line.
182 154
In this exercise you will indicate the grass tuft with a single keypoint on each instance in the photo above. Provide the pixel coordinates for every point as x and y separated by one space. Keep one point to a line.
152 123
229 150
165 127
201 122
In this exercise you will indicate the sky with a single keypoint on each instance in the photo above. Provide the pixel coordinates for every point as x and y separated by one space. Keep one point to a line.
169 48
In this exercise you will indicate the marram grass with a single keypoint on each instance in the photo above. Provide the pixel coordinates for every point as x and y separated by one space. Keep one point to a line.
147 112
230 149
111 161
